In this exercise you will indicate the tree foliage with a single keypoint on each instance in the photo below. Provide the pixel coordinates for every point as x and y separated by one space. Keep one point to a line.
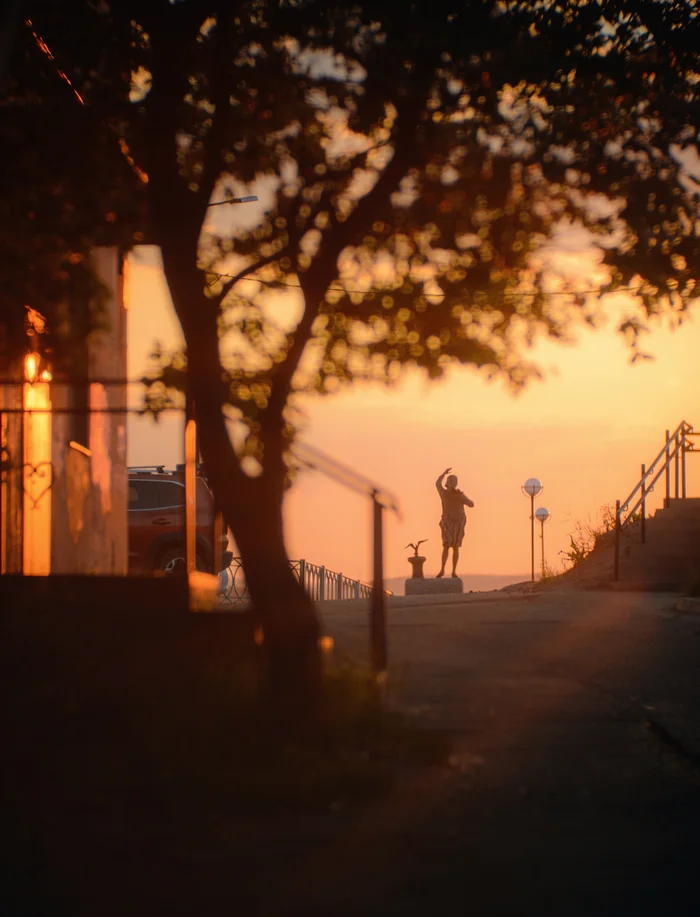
415 165
419 165
419 170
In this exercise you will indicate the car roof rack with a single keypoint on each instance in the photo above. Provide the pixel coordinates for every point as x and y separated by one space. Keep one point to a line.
161 469
180 469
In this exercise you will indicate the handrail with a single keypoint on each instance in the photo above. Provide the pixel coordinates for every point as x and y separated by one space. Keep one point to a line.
678 439
647 489
382 500
673 451
316 460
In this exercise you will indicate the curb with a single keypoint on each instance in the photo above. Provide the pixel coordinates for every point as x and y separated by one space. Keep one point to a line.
643 586
435 600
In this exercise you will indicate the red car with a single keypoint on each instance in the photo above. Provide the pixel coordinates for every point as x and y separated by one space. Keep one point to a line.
157 522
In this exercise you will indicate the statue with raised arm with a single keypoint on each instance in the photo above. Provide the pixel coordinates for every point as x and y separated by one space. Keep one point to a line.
453 520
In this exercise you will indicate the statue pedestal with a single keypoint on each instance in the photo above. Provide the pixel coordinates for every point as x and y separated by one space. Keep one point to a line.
433 585
417 563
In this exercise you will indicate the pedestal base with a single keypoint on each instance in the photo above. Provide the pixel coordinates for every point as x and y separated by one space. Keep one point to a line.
433 585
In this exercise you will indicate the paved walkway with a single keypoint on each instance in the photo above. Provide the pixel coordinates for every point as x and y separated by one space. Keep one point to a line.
574 788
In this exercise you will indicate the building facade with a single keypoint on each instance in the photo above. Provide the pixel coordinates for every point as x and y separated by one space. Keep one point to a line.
63 493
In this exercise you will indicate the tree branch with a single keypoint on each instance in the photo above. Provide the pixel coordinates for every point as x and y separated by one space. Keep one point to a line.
232 281
351 161
324 267
318 278
220 93
272 419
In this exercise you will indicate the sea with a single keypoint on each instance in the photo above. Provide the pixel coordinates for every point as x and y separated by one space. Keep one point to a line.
472 582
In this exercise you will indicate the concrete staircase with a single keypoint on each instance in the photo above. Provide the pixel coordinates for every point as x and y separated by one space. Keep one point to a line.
670 558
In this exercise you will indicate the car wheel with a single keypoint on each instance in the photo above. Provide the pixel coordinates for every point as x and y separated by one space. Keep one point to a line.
173 558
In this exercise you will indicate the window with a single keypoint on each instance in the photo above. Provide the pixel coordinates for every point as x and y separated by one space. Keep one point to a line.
171 494
143 495
204 495
79 413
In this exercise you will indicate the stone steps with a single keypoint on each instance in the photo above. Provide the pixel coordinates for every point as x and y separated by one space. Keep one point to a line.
670 557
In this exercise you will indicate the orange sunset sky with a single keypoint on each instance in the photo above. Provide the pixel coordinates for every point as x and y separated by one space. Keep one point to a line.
584 431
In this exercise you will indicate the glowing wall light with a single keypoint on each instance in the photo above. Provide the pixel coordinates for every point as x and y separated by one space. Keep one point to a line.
31 367
38 470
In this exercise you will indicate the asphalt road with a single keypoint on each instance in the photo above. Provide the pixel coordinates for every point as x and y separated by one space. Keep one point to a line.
575 784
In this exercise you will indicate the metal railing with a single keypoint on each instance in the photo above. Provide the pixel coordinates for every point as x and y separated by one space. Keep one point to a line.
382 499
670 462
319 582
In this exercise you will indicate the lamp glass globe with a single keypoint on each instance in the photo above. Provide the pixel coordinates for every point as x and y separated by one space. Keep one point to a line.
532 487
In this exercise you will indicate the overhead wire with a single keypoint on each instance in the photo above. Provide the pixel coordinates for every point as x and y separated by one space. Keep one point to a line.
298 286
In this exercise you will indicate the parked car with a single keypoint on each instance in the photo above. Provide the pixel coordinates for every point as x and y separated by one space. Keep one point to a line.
156 519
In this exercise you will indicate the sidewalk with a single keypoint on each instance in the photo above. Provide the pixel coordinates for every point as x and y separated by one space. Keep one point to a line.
575 788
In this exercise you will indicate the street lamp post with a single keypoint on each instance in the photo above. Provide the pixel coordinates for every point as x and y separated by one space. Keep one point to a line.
532 488
542 516
235 200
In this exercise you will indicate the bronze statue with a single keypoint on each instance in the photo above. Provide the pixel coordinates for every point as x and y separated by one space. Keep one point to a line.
453 520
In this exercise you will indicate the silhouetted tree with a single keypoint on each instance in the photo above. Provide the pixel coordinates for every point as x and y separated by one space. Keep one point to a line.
417 162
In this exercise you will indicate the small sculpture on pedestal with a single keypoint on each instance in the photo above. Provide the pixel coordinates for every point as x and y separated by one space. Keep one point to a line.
417 561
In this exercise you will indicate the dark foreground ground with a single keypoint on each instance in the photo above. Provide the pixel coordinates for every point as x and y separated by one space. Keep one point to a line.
573 787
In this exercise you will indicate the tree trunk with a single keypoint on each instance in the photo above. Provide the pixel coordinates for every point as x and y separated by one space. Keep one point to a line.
286 612
252 508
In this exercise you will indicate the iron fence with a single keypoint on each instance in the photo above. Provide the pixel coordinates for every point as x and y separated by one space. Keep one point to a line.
319 582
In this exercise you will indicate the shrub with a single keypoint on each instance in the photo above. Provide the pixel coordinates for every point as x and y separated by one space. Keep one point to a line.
583 540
